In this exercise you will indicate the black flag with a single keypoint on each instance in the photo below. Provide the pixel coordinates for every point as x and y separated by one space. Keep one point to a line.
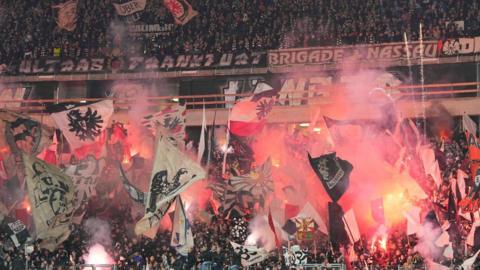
333 172
337 232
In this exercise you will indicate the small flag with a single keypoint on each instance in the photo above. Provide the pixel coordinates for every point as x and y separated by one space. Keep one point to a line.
272 227
351 226
182 237
249 254
201 143
181 10
17 232
469 125
67 15
467 264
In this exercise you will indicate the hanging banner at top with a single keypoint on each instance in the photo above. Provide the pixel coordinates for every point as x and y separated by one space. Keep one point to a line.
374 52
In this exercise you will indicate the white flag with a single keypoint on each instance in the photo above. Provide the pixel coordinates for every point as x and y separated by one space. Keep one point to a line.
413 220
467 264
169 121
201 143
443 239
172 173
83 125
471 235
51 195
249 254
298 256
469 125
85 176
430 164
461 175
351 226
182 237
448 252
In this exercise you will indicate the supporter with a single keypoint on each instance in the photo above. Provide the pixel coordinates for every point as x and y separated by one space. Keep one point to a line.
29 29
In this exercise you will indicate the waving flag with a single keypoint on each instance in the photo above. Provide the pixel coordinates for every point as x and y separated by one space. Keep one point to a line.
67 15
338 234
333 172
309 212
258 182
249 254
25 135
170 121
172 173
181 10
134 193
52 199
469 125
85 175
297 256
249 114
182 237
17 231
351 226
84 124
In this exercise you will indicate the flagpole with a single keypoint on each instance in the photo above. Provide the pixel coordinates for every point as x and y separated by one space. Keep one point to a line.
224 164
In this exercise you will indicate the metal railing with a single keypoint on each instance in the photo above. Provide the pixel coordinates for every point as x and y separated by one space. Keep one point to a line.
307 97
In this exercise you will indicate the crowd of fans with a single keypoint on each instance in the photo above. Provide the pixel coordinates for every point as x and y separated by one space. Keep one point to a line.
213 233
29 28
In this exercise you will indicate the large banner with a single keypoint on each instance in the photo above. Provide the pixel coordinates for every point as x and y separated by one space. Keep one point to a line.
51 194
374 53
147 64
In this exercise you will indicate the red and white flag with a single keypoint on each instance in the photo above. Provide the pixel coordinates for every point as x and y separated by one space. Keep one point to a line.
249 114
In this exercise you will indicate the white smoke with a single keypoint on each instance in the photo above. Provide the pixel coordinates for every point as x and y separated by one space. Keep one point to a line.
100 237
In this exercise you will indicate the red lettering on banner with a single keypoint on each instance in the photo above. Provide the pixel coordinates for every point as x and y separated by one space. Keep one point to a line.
386 52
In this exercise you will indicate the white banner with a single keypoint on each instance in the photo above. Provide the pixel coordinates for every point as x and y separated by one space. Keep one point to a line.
131 7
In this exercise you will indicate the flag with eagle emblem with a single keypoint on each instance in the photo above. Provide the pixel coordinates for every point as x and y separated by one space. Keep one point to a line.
181 10
248 116
172 173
